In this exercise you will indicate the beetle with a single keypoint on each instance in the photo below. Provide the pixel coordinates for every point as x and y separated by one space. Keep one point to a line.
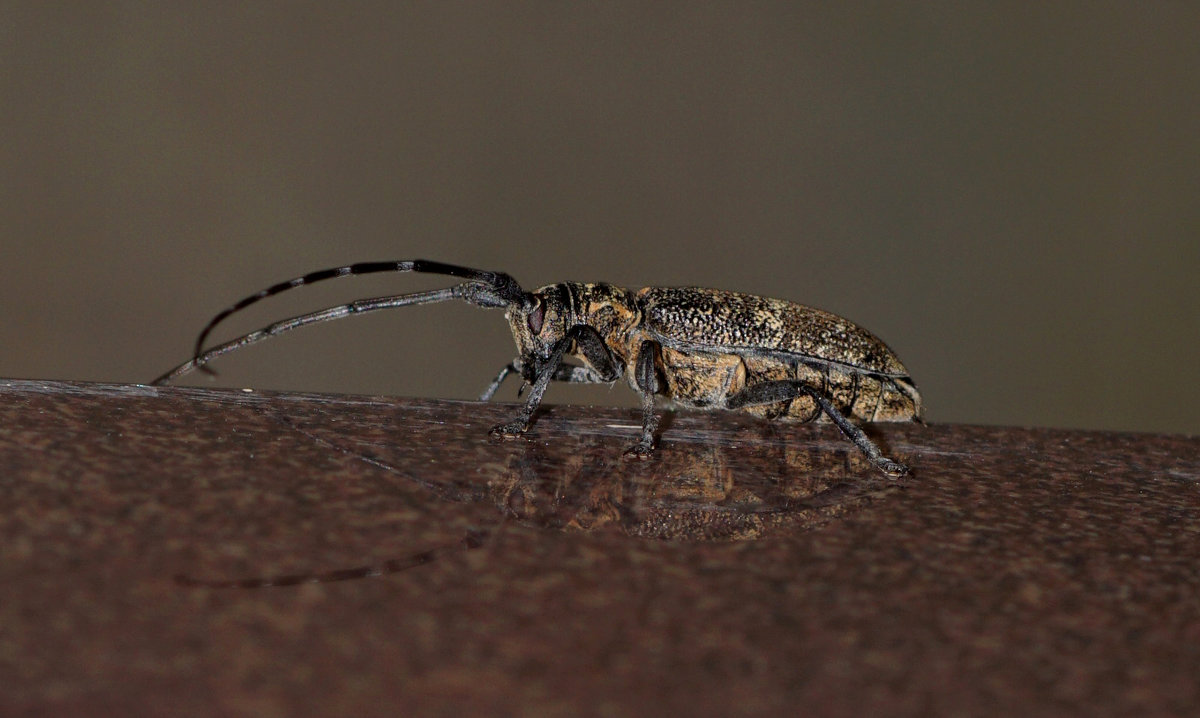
700 348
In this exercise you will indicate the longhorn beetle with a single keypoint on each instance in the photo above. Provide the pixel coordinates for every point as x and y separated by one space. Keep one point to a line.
701 348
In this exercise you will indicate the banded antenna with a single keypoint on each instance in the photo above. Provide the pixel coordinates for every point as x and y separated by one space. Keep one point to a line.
483 289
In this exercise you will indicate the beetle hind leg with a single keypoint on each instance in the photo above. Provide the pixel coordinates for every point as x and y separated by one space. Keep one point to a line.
772 392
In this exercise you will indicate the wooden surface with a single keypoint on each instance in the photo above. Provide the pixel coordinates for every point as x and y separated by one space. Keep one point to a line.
749 568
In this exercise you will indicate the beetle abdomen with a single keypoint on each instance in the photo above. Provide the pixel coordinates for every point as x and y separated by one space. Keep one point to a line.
744 324
860 395
706 380
717 343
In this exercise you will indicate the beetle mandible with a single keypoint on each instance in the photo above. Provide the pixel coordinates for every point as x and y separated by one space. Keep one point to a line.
700 348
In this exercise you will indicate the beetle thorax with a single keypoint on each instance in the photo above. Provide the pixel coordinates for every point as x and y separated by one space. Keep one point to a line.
553 310
612 311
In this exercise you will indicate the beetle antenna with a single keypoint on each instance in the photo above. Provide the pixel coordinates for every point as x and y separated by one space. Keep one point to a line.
482 295
500 285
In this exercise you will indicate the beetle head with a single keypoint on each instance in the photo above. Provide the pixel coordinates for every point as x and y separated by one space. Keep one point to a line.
538 322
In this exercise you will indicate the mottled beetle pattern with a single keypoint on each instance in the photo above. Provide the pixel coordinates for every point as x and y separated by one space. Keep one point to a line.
698 348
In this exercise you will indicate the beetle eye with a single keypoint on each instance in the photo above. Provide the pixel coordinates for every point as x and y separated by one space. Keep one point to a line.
537 316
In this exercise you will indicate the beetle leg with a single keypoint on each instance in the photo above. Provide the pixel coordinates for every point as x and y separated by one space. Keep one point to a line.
589 343
570 374
509 368
520 425
646 377
573 374
771 392
564 372
604 368
549 370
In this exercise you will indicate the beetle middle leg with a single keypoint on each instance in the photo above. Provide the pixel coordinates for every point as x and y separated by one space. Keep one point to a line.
646 378
772 392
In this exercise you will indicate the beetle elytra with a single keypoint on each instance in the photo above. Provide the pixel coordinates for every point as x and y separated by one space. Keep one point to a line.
700 348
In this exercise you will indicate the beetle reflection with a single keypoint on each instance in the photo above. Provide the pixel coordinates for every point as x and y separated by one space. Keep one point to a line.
756 487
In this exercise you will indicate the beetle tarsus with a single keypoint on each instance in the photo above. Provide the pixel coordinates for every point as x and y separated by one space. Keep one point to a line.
510 431
640 451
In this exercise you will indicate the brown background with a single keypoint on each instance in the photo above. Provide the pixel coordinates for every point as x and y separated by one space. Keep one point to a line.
1005 193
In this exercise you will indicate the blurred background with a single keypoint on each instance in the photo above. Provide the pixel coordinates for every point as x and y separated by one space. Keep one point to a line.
1004 192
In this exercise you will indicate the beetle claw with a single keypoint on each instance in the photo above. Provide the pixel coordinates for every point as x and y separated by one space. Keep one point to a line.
639 451
509 431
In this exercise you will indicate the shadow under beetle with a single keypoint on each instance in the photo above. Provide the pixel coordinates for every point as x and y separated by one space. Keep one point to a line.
700 348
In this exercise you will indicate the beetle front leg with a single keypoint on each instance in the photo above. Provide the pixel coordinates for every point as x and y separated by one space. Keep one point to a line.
566 373
520 425
772 392
646 377
545 372
510 368
590 344
606 368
